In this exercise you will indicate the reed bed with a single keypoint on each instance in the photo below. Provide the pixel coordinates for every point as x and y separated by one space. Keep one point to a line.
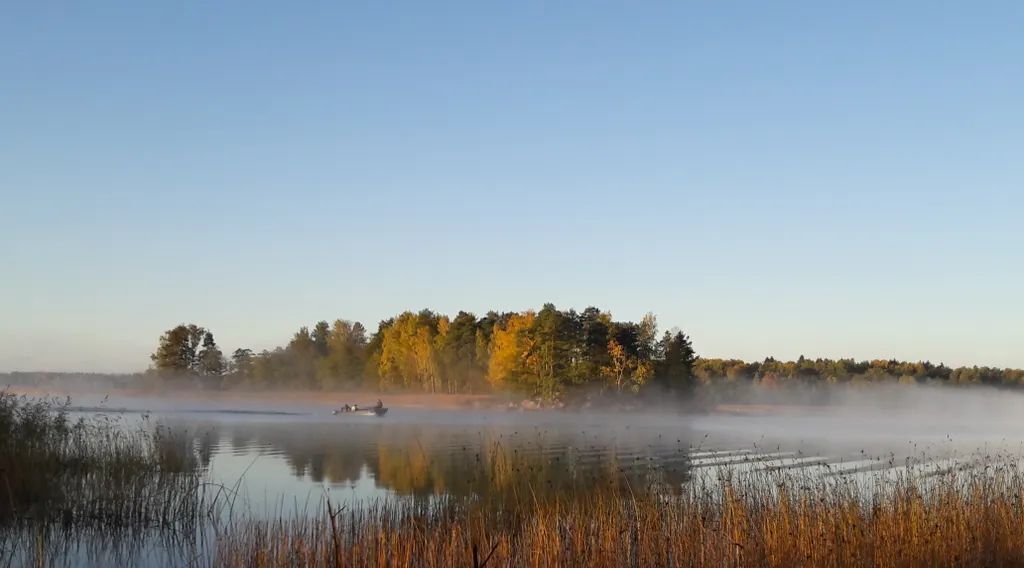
53 468
972 517
94 482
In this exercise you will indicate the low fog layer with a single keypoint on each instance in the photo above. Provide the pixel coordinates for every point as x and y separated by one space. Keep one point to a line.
875 419
837 420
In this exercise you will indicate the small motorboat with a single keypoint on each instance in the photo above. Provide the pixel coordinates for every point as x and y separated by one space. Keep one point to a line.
361 410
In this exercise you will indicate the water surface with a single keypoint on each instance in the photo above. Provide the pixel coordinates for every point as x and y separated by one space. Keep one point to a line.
289 456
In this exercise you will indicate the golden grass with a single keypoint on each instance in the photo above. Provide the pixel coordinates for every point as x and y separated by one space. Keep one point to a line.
973 518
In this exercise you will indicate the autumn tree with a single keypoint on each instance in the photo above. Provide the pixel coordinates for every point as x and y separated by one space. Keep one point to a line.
541 353
408 353
625 370
511 345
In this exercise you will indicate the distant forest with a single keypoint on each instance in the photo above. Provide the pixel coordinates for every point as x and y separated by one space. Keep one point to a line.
546 354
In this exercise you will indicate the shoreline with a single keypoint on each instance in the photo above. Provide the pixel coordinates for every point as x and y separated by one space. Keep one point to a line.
313 397
333 399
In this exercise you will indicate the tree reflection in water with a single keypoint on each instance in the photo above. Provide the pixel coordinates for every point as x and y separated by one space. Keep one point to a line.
457 460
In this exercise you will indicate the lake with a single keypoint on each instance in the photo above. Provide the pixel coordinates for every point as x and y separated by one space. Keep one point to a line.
287 456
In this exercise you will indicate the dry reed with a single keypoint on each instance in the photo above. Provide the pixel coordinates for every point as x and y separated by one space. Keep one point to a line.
961 518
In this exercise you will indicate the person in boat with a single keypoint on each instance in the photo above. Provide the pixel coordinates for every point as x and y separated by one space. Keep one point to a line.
346 408
355 407
380 404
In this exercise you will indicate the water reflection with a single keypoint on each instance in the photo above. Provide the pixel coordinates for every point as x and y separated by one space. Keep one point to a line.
420 459
293 454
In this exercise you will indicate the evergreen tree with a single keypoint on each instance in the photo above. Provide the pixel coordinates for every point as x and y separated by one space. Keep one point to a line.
211 360
242 364
301 358
461 368
321 336
675 370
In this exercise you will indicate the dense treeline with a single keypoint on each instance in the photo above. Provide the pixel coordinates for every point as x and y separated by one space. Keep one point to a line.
540 353
832 371
544 353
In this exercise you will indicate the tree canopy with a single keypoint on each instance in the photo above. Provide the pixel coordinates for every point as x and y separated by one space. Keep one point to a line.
542 353
545 353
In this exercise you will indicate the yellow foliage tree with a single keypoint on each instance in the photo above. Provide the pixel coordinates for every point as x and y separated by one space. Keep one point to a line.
408 355
624 369
510 348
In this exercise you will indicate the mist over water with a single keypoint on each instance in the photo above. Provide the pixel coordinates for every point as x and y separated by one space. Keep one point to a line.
287 454
884 418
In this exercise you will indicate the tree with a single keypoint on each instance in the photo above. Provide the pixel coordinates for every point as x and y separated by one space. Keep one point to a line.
266 367
625 369
358 335
177 351
374 353
172 351
675 370
595 331
242 363
196 335
647 346
211 360
460 365
301 358
511 342
549 361
408 352
344 360
321 336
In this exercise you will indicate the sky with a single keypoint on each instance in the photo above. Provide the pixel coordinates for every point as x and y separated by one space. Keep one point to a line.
774 178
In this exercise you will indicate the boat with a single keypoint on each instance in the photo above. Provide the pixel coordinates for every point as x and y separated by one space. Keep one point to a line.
369 411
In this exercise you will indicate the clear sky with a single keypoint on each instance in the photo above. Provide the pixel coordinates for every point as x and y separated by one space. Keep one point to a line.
775 178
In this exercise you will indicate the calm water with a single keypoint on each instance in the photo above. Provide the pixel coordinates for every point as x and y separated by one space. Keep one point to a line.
283 457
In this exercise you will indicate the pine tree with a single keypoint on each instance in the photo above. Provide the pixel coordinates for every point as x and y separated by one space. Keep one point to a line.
675 370
210 358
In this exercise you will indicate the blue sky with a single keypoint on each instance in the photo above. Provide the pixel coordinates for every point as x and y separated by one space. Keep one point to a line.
827 179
